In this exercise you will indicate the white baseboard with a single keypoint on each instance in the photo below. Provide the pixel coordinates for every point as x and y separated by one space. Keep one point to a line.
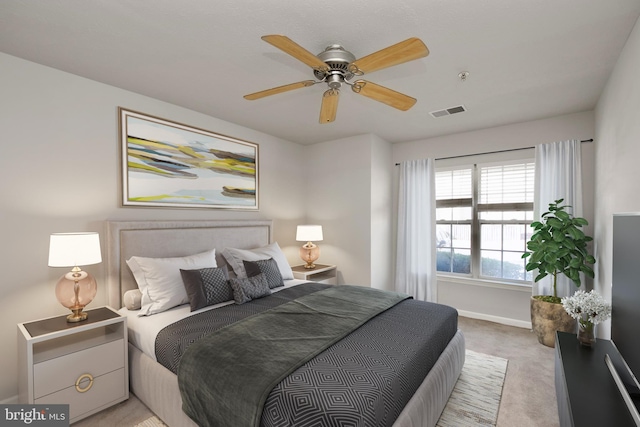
10 401
496 319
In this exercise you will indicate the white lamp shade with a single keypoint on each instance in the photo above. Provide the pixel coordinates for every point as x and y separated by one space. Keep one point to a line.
309 233
74 249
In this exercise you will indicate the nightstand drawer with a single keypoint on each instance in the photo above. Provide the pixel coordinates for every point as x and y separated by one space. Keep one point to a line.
62 372
105 390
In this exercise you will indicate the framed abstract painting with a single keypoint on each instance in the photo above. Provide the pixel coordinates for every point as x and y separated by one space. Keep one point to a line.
168 164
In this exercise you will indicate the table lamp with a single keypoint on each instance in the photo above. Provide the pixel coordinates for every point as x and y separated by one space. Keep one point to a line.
309 252
77 288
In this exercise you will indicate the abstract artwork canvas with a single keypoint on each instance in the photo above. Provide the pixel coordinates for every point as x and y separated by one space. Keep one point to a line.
168 164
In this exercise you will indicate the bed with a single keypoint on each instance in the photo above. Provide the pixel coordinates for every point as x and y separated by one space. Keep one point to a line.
158 387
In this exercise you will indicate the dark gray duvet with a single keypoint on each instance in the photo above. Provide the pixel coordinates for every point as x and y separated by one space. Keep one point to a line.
365 379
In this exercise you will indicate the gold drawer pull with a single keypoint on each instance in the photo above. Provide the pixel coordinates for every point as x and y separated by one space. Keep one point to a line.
82 378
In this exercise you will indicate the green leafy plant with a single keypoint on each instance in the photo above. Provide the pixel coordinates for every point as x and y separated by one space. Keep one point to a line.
558 245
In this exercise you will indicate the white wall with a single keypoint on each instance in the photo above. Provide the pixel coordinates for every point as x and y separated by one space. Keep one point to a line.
60 172
494 301
338 198
381 214
618 155
349 194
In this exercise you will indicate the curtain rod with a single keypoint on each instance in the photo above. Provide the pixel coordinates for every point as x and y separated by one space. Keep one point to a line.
493 152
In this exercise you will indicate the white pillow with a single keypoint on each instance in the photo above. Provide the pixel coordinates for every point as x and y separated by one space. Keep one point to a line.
160 281
235 257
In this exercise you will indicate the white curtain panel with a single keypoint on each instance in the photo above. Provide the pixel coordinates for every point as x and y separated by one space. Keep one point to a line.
416 245
558 176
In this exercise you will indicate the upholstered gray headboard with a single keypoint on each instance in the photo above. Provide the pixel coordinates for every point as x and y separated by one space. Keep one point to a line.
173 238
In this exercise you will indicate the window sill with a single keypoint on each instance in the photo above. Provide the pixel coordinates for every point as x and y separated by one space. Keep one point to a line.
487 283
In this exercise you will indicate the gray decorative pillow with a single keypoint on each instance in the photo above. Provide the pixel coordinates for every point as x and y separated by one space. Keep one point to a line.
206 286
235 257
269 267
244 290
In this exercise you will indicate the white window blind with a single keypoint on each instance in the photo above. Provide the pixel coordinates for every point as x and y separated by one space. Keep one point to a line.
454 184
507 183
483 216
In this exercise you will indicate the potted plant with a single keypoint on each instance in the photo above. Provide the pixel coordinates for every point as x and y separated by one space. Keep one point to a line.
557 246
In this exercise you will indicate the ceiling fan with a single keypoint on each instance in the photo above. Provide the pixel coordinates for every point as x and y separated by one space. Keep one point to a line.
336 66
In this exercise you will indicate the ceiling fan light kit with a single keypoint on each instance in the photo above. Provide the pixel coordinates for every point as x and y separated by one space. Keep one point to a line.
336 66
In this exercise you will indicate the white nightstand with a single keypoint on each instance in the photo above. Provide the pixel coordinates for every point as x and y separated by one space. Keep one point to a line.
322 274
82 364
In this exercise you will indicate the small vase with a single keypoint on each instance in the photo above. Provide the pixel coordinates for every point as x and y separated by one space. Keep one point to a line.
586 333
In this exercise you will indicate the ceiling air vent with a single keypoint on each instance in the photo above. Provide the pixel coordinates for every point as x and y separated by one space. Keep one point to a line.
448 111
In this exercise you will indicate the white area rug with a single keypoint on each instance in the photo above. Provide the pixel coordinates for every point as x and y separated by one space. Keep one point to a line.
151 422
475 399
476 396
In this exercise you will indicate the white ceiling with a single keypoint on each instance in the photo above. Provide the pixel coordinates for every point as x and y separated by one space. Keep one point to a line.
527 59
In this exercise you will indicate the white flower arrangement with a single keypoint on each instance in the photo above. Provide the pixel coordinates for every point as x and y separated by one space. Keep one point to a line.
587 307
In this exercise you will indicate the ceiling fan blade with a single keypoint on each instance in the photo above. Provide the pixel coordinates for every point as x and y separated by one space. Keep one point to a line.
383 94
287 45
279 89
408 50
329 106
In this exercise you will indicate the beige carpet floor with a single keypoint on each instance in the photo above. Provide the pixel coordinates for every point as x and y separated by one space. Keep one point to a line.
528 397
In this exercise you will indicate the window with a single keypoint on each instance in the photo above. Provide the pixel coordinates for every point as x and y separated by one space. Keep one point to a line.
483 214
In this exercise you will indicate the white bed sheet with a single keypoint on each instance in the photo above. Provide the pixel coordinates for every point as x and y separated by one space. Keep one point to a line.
143 330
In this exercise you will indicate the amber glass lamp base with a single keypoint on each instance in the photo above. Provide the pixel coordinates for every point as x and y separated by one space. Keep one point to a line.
309 253
75 290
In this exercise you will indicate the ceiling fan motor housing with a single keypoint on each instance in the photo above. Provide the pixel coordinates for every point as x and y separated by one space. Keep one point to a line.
338 60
